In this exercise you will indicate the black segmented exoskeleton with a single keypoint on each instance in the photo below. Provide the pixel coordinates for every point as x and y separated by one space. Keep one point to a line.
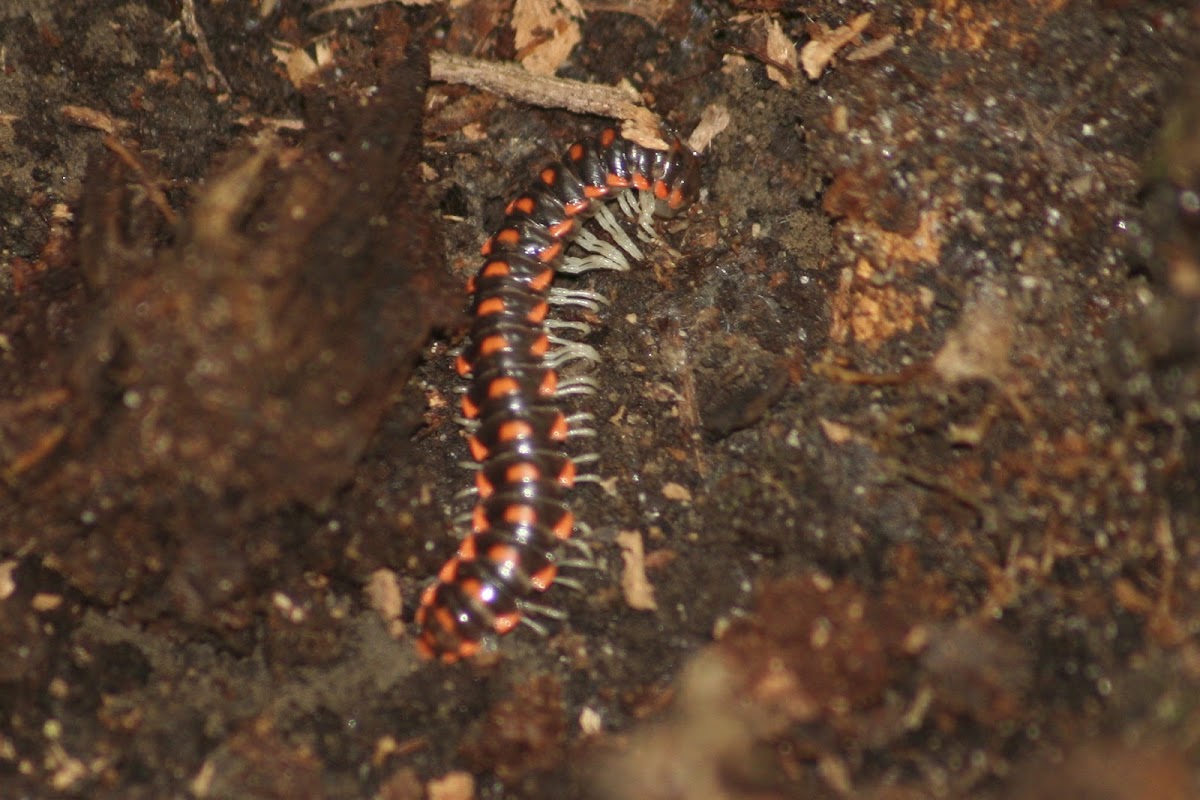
514 396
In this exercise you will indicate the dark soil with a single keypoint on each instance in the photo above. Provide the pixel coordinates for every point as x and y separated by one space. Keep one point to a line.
906 410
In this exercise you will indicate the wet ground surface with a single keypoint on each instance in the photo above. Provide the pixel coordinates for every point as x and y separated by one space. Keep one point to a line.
904 413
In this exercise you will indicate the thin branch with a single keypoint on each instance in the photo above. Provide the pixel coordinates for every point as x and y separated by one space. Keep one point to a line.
514 82
196 32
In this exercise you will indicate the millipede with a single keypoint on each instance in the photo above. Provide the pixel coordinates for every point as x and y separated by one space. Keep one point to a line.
514 401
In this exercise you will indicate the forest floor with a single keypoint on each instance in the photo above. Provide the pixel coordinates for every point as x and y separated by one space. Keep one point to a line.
898 433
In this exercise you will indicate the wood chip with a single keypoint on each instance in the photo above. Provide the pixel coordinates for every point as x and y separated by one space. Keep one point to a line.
873 49
816 55
978 348
590 721
713 120
836 774
675 491
383 594
639 592
303 68
43 601
781 50
836 432
452 786
7 584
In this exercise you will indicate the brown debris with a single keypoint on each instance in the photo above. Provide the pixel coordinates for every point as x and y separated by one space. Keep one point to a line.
1110 770
814 649
871 304
740 393
238 371
305 623
258 765
691 754
977 670
870 314
522 733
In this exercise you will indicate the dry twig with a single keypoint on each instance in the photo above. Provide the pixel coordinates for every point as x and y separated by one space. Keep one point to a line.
92 118
196 32
148 183
515 83
358 5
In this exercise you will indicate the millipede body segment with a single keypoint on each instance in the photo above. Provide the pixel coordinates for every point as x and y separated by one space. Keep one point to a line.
513 400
